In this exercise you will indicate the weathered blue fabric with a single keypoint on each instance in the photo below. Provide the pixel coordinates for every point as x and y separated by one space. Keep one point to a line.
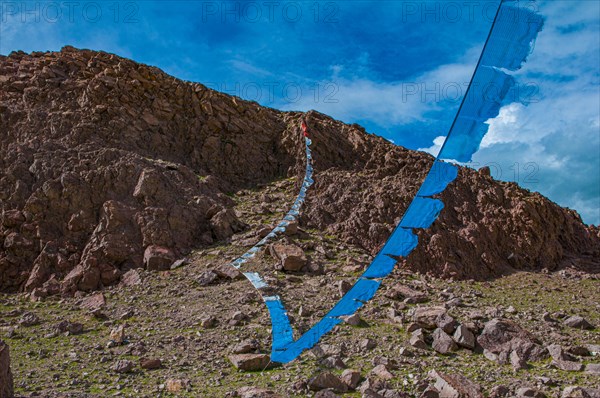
362 291
400 243
380 267
440 175
421 213
282 333
506 48
306 341
487 91
515 29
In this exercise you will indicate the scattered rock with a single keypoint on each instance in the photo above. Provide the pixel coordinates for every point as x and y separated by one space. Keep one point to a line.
593 368
150 364
226 271
29 319
426 317
177 385
353 320
575 392
256 392
93 302
117 335
464 337
131 278
291 257
442 342
351 378
455 386
123 366
501 337
327 380
446 323
578 322
206 278
367 344
158 258
382 372
526 392
250 362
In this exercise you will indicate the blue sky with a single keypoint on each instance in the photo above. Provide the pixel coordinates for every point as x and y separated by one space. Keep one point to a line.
397 67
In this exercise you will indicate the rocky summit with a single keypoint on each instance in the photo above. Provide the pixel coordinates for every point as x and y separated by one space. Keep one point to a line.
125 192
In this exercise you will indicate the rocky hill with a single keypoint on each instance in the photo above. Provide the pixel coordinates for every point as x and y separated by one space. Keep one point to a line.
108 165
124 194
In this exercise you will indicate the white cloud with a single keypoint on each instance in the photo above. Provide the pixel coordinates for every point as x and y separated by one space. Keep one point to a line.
437 145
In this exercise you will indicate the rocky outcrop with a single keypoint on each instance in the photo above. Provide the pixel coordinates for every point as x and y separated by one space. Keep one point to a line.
501 337
6 378
102 158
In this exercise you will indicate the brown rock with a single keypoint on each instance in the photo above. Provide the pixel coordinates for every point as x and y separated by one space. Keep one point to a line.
504 336
177 385
150 364
426 317
291 257
123 366
442 342
455 386
93 302
250 362
575 392
578 322
6 377
351 377
131 278
117 335
382 372
255 392
593 368
327 380
464 337
446 323
411 296
524 392
158 258
226 271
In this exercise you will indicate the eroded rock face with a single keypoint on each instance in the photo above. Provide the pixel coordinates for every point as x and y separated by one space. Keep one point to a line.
102 158
6 378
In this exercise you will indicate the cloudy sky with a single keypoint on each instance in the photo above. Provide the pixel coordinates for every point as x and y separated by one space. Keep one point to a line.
397 67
